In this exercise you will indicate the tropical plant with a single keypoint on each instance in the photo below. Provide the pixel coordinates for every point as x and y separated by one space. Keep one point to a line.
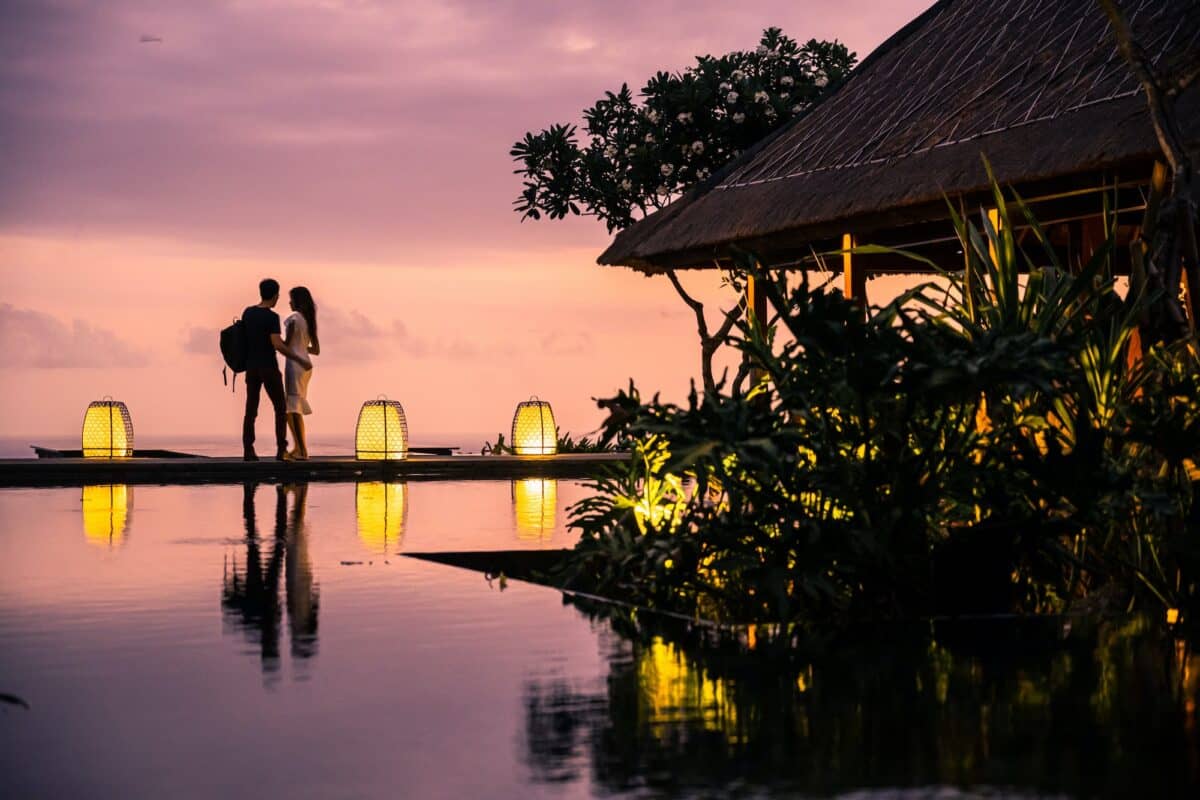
566 444
985 448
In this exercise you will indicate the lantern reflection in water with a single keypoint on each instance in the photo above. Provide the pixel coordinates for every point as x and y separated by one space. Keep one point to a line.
107 430
533 430
535 503
106 511
381 509
671 689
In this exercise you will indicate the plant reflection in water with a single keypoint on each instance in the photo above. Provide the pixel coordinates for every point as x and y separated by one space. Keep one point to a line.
250 590
1104 710
106 514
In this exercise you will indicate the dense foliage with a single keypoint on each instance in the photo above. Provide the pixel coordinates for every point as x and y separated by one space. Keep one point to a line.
639 153
981 445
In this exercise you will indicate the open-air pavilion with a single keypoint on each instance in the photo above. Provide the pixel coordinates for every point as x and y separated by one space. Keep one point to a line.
1036 86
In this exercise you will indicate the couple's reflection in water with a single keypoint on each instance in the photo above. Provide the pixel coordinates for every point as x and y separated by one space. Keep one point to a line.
250 589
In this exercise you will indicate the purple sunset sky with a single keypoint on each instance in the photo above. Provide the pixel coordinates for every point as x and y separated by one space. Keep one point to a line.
282 134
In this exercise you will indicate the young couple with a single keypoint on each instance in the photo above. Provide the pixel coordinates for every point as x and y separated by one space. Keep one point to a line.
288 392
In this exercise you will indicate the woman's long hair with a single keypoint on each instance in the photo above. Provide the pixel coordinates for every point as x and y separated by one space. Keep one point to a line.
302 299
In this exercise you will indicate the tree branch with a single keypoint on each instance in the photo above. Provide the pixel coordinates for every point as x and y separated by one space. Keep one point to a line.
1185 78
1170 138
694 304
708 344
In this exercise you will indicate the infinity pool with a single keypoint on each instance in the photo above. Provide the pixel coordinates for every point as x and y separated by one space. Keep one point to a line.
266 641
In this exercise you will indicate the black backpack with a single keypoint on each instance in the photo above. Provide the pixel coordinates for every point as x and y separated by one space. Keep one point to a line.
233 349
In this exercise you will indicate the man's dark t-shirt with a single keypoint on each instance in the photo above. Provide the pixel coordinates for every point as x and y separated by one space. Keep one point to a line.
260 324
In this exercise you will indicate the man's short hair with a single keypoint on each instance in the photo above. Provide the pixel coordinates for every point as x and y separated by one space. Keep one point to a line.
268 288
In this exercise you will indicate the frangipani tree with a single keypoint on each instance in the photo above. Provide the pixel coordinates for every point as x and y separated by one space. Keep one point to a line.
636 154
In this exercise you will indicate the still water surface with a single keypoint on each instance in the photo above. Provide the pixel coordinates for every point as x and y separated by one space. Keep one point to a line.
268 641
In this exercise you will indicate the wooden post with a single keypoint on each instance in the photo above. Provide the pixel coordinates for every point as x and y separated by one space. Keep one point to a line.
1092 235
855 276
1140 252
993 215
756 309
756 302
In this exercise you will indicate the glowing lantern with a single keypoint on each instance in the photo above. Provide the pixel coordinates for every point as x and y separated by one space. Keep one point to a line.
382 432
535 502
106 514
107 430
534 432
381 509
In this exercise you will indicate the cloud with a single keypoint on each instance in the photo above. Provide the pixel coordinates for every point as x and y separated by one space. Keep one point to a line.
35 339
454 349
568 343
362 130
201 341
351 337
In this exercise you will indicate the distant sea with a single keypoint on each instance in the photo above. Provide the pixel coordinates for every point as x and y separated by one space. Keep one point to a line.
20 446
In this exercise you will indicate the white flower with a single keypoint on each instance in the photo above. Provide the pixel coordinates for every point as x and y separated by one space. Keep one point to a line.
796 109
784 95
739 118
702 173
787 80
697 147
627 184
652 115
610 152
821 81
761 97
731 98
666 170
738 75
770 112
725 86
649 138
684 117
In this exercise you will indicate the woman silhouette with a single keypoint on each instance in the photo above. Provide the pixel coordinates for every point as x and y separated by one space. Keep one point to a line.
300 336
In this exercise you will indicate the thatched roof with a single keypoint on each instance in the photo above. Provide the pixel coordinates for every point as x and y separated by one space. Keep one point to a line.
1036 85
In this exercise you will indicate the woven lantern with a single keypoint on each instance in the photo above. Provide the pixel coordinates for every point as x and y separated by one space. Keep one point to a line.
107 430
534 432
382 431
381 509
535 504
106 514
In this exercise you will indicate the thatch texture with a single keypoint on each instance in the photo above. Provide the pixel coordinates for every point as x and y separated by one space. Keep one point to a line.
1036 85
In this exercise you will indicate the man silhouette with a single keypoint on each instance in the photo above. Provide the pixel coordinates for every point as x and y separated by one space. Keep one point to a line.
262 369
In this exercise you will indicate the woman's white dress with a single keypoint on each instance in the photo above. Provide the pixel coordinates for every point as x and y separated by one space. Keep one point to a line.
296 377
